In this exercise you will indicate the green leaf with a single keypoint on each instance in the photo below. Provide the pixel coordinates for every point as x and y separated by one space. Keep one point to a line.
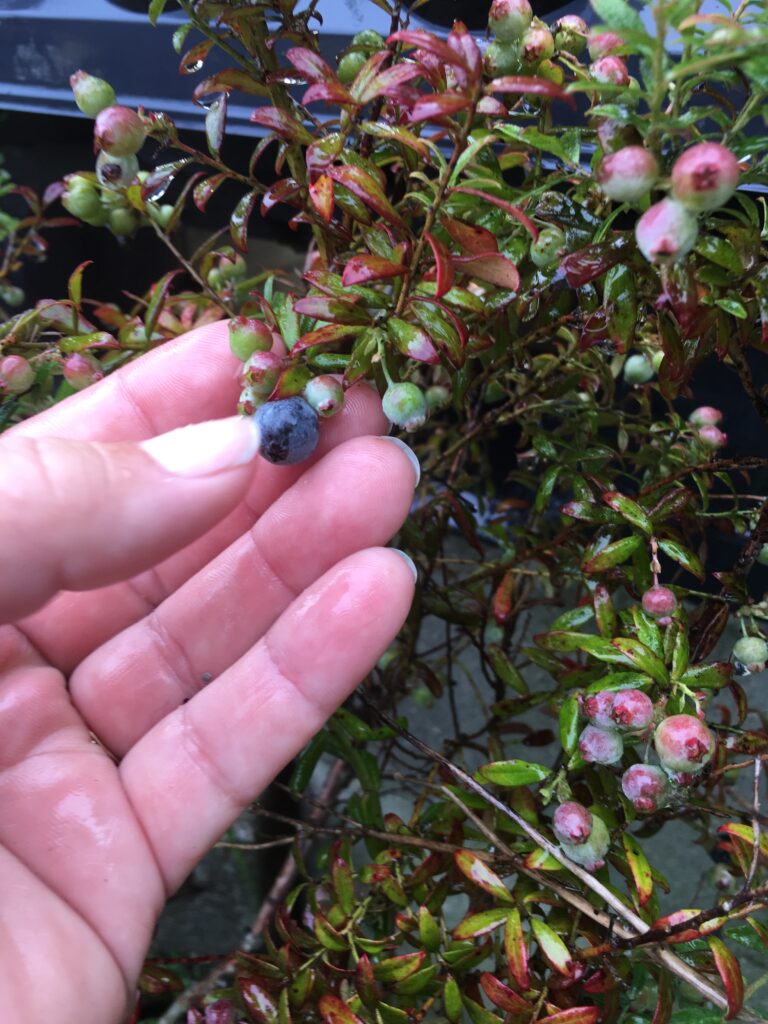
629 510
564 640
732 306
641 657
478 1014
515 950
512 773
708 677
573 618
640 868
429 930
618 15
613 554
620 296
476 871
156 8
569 724
505 670
452 1000
480 924
683 556
721 252
398 968
552 947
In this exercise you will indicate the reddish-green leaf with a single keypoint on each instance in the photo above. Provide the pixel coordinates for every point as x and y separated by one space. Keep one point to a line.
363 185
365 982
193 59
227 80
75 284
443 266
336 1011
386 82
157 300
412 341
730 974
343 885
503 996
481 923
431 43
683 556
476 871
641 657
576 1015
502 204
640 868
605 613
470 237
708 677
321 194
238 222
328 935
310 65
530 86
282 124
665 1000
612 554
516 951
329 92
491 267
259 1003
204 189
629 510
215 123
398 968
760 930
674 920
335 311
744 834
552 947
361 269
326 336
437 106
502 597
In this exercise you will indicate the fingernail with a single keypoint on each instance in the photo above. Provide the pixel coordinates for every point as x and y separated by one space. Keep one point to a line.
410 562
407 451
205 448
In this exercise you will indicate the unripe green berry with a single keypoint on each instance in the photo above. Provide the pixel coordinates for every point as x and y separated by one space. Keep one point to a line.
510 19
405 406
368 38
349 65
81 197
248 335
119 131
762 555
116 171
591 854
547 248
501 59
92 95
638 369
161 215
536 45
438 396
261 372
324 394
571 34
16 375
249 401
751 652
123 221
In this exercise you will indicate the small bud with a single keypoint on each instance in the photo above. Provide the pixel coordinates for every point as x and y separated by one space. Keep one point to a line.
627 175
261 371
705 416
609 71
119 131
666 232
660 603
536 45
597 708
600 746
683 743
80 370
632 710
572 823
116 171
16 375
510 19
92 95
638 369
646 787
405 405
571 34
712 437
248 335
705 176
324 394
603 43
591 854
751 652
548 247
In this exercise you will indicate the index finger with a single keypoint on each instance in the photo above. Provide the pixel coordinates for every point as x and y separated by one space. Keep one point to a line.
188 380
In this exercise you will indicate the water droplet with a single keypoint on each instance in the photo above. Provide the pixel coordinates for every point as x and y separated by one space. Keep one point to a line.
190 69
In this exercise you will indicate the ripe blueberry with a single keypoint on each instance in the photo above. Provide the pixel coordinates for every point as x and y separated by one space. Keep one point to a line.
289 431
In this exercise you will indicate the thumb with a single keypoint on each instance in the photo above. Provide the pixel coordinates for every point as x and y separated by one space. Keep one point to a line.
76 514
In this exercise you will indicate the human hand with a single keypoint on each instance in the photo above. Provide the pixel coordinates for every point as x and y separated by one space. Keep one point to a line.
127 585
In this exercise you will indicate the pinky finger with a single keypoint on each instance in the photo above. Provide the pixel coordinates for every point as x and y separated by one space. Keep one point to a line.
194 772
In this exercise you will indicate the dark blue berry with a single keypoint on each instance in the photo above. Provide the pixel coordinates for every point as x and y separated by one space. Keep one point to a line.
289 430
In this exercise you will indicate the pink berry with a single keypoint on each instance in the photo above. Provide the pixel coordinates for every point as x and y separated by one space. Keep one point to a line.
632 710
590 854
705 176
645 786
666 231
603 43
600 746
572 823
80 370
610 71
660 603
119 131
713 437
705 416
683 743
536 45
628 174
16 375
597 707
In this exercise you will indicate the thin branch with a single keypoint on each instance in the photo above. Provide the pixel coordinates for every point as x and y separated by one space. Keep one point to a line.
755 827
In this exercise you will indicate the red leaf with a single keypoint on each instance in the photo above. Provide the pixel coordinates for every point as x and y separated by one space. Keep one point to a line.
491 107
367 188
674 919
491 267
335 311
515 951
326 336
665 1000
336 1011
502 598
470 237
321 194
503 996
386 82
284 191
226 81
576 1015
537 86
466 49
442 264
310 65
502 204
730 973
586 264
193 59
259 1003
361 269
331 92
436 107
282 124
430 43
238 222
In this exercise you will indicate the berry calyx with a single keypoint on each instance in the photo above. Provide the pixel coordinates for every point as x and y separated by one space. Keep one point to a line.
705 176
288 429
547 248
603 43
248 335
646 787
705 416
660 603
638 369
536 45
81 370
16 375
591 854
119 131
632 710
628 174
92 95
324 394
572 823
509 19
712 437
597 707
405 406
750 652
609 71
571 34
683 743
600 746
666 231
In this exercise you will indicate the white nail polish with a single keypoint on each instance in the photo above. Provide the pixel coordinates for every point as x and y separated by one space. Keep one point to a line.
409 561
407 451
202 449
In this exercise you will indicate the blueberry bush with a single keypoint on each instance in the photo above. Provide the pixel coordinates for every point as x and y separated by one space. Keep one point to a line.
532 243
